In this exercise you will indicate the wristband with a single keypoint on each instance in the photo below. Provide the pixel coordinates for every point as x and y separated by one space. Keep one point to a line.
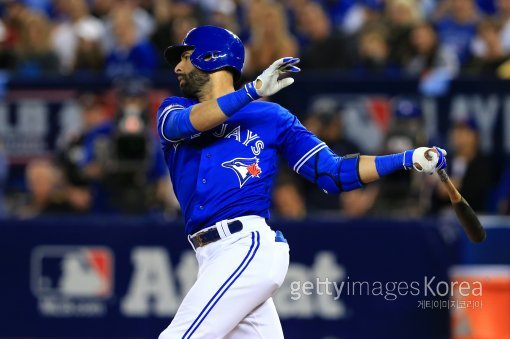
233 102
252 92
386 164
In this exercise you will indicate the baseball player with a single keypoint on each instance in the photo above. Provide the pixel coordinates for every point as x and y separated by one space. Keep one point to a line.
221 147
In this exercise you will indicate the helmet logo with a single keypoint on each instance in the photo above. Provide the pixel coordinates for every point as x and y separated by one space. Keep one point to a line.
214 56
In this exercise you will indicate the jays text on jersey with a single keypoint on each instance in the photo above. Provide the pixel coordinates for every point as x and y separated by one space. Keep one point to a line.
229 171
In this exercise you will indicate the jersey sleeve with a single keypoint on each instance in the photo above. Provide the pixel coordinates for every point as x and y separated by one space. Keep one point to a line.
170 106
296 144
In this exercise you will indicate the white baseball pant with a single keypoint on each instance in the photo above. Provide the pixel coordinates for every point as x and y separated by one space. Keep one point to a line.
237 276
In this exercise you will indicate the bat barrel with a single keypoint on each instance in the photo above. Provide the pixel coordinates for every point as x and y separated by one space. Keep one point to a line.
469 221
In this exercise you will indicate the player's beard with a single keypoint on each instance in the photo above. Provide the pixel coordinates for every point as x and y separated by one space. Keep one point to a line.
195 83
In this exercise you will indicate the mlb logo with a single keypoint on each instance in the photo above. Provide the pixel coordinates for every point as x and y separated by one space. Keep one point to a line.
72 272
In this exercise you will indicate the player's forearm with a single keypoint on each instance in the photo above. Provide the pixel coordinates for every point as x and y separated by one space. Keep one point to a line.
181 123
335 174
372 168
367 169
209 114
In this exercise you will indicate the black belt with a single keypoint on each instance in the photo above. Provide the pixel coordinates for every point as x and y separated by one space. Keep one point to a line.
211 235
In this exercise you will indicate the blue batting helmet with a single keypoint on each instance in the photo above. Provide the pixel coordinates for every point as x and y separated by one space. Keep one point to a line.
214 48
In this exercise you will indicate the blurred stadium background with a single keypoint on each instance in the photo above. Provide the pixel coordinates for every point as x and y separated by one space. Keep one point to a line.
91 240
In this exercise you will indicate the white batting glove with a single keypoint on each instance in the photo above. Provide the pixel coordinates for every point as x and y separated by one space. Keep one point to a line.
428 159
268 84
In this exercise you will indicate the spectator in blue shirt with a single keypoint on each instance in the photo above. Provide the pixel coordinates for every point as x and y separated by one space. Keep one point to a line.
129 56
458 28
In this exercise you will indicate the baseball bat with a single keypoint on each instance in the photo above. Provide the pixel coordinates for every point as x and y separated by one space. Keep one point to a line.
465 214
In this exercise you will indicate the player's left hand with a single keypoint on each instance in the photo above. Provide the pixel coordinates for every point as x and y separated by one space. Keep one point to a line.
429 159
268 83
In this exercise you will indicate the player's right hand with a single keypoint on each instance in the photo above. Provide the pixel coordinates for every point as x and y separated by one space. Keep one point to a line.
268 84
429 159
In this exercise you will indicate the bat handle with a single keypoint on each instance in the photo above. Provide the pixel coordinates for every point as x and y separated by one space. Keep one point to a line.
453 193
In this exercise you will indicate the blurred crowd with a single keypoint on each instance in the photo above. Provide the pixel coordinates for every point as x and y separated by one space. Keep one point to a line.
113 163
432 39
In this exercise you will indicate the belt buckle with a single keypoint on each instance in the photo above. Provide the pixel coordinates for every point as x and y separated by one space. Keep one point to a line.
201 240
197 239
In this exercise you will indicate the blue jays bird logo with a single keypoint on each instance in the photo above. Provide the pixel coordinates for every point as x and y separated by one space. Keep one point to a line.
245 168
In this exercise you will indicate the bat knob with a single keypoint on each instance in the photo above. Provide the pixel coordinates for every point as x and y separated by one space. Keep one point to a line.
429 154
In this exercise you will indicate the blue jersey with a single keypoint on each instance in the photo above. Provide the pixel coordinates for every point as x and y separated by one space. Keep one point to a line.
458 36
229 171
